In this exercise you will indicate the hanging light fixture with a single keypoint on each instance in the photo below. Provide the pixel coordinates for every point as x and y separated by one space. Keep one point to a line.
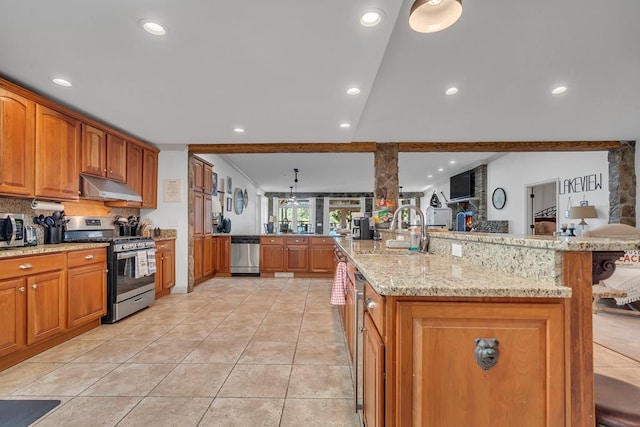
295 182
291 196
430 16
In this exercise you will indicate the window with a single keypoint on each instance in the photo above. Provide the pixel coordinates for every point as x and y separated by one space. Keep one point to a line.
339 212
295 216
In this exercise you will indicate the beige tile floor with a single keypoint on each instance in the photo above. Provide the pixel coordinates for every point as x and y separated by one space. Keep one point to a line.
235 352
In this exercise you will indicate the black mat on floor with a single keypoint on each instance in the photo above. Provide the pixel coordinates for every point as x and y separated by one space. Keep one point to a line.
19 413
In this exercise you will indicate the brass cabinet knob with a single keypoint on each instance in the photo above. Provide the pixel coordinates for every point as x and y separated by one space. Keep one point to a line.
21 289
90 256
34 286
25 266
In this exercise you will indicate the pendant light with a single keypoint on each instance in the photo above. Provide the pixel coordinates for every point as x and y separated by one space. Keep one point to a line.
430 16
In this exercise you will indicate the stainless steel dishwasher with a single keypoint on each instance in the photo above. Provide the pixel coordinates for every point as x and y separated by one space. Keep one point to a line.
245 255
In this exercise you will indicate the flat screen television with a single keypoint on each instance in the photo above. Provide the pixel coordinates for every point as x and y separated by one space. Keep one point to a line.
461 186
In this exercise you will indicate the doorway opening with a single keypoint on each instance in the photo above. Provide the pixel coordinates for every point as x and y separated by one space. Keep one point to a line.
542 208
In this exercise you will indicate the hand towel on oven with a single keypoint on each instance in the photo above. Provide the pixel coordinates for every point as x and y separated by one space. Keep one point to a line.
339 284
151 260
142 266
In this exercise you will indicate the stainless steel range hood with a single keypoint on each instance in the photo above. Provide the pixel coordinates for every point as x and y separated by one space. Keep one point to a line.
94 188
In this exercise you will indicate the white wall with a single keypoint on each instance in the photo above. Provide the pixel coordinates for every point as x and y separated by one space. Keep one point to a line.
172 164
515 171
248 222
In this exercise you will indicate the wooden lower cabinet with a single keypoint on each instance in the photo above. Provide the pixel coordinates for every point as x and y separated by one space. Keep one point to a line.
45 306
296 254
198 244
165 267
87 286
13 306
373 373
223 255
349 313
271 254
321 255
208 256
439 382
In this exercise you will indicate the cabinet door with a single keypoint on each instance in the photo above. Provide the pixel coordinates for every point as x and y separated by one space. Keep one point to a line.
437 368
17 144
116 158
45 306
169 266
208 262
198 175
207 223
93 151
197 258
198 211
159 267
12 315
57 153
349 323
134 167
271 258
321 258
297 258
86 294
207 178
373 375
149 179
223 252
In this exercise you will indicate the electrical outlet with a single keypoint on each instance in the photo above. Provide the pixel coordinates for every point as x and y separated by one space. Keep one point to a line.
456 250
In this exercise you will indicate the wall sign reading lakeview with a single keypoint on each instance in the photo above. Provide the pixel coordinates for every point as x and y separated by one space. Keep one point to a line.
580 184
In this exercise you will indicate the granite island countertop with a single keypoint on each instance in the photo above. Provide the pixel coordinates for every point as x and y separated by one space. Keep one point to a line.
400 272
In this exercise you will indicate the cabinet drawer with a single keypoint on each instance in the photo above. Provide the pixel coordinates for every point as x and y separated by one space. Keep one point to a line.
322 241
271 240
296 240
374 304
17 267
89 256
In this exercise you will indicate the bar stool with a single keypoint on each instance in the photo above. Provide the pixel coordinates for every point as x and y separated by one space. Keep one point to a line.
617 402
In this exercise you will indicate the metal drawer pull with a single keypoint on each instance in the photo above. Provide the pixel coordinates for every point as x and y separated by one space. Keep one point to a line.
486 352
34 286
370 303
25 266
88 256
21 289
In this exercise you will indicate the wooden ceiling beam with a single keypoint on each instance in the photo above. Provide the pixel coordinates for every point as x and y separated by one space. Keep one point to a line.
509 146
405 147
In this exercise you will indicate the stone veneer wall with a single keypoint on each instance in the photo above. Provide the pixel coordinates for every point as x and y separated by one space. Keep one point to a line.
386 171
622 184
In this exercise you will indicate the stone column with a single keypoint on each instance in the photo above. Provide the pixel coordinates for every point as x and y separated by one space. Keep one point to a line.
622 184
386 171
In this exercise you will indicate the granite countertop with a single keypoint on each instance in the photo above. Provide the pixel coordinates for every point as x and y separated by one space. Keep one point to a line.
400 272
49 249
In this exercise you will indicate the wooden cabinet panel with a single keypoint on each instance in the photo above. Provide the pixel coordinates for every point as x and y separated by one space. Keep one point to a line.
24 266
349 310
374 374
93 159
207 223
116 155
45 306
168 265
198 175
134 167
149 179
17 144
198 210
297 257
87 293
374 304
271 257
208 261
86 257
223 253
526 383
321 258
207 178
198 253
57 153
12 315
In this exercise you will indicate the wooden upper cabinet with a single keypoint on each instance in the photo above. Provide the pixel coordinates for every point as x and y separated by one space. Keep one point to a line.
102 154
57 153
17 144
198 174
134 167
207 223
207 177
116 158
93 160
198 210
149 179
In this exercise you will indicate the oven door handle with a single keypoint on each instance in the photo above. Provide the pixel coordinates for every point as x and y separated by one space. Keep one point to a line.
126 255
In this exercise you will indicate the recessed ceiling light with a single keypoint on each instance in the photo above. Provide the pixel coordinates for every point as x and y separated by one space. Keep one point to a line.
440 169
429 176
61 82
558 90
153 27
345 125
451 162
238 130
451 91
371 18
353 91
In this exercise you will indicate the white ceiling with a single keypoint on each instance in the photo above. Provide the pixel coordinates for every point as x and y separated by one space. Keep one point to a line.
280 69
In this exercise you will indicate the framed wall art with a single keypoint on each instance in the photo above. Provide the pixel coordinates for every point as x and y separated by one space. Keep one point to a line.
215 184
229 185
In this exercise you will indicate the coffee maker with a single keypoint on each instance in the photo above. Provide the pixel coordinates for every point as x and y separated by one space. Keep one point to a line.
366 233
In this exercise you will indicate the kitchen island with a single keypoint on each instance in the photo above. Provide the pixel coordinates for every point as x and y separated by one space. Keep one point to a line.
499 336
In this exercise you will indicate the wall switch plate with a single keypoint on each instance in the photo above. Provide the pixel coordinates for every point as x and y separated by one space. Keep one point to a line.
456 250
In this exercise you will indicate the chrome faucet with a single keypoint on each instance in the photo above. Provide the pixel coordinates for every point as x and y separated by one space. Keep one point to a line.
424 238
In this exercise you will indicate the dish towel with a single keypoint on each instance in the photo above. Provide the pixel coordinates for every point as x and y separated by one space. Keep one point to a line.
142 268
625 279
339 289
151 260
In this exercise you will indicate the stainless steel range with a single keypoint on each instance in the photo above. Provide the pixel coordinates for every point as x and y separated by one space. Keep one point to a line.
130 264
